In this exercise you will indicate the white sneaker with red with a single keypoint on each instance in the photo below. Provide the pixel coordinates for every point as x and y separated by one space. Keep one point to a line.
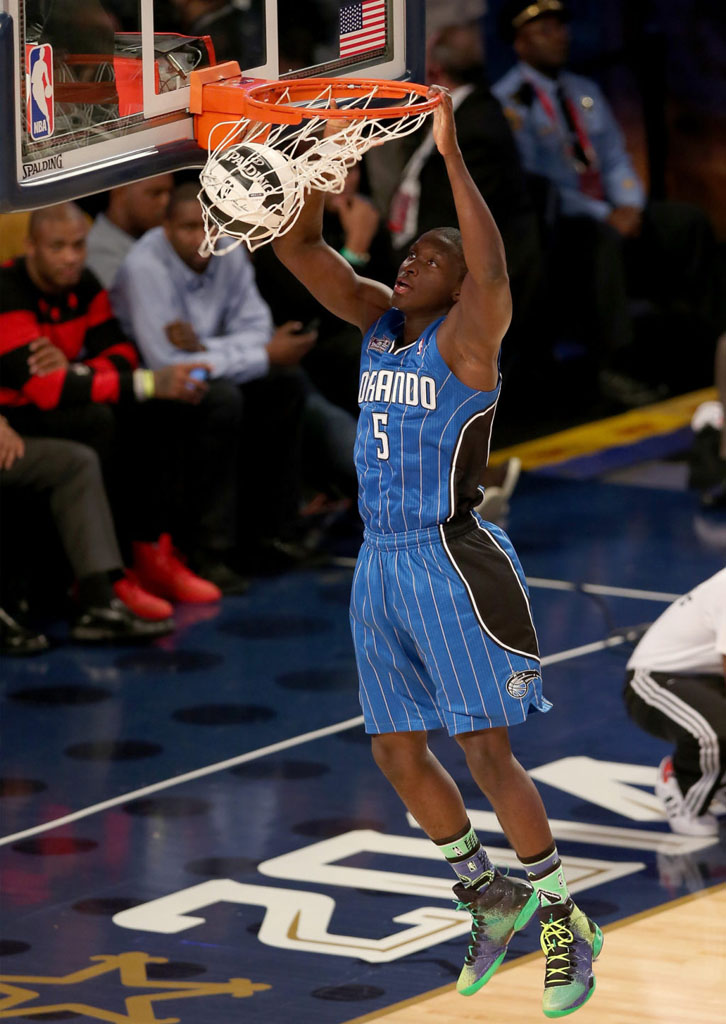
680 818
141 602
494 506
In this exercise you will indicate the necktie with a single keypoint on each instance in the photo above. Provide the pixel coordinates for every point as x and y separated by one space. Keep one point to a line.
576 134
583 153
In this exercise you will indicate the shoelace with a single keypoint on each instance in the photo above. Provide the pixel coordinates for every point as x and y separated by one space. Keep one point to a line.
556 941
477 924
472 950
473 907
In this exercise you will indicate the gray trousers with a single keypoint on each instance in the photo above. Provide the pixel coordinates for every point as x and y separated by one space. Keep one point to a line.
70 475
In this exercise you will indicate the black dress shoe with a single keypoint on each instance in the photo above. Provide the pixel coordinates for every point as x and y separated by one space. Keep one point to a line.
628 392
219 573
17 640
115 623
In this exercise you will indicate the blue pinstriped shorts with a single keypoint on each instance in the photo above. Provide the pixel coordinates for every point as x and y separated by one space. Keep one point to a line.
443 631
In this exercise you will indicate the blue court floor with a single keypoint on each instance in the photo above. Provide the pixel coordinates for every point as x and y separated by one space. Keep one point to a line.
195 831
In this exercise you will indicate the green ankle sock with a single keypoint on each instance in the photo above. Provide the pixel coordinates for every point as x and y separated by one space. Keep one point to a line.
547 877
467 857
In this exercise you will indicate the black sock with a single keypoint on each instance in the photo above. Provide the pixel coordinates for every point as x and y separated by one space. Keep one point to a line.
94 590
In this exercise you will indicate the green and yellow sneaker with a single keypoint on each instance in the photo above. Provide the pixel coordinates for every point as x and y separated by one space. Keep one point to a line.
498 911
570 942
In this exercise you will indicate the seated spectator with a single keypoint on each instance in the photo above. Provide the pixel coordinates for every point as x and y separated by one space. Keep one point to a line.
132 210
609 246
110 604
68 371
174 303
675 690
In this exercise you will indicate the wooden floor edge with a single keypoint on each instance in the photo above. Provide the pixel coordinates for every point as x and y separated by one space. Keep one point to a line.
528 957
660 418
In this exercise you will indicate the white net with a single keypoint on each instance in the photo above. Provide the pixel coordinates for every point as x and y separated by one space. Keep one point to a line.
257 175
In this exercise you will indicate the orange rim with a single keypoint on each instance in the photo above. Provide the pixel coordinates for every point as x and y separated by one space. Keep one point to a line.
263 98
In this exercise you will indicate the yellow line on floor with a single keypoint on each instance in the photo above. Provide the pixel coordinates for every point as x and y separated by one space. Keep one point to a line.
626 428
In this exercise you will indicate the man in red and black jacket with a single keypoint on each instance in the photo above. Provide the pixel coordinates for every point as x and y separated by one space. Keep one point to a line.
60 345
68 371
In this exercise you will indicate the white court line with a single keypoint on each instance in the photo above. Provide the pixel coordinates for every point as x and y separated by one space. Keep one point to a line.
252 755
575 652
596 588
198 773
587 588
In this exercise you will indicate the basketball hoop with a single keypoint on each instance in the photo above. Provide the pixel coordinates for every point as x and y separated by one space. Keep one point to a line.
287 138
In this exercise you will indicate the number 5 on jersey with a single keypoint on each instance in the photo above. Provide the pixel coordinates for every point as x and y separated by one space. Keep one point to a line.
380 422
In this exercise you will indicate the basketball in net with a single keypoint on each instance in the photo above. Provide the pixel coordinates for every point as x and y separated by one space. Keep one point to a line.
294 136
248 190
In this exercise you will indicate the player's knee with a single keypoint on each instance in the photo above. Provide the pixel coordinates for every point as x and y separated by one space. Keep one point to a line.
397 754
488 753
384 752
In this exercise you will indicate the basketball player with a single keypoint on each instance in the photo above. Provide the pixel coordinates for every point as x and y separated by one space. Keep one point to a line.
440 611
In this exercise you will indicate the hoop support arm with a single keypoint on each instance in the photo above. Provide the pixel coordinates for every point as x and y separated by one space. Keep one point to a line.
204 76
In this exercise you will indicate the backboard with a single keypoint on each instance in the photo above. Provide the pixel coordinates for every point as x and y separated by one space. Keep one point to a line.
95 93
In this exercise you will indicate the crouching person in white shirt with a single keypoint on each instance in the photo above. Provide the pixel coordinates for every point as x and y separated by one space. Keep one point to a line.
675 689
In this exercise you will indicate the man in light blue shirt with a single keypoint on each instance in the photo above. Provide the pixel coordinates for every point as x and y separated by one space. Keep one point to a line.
173 301
609 245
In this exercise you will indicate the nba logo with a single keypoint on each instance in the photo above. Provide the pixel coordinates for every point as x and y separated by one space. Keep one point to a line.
39 82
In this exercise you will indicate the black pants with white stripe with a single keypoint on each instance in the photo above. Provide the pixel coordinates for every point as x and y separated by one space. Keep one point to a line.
689 711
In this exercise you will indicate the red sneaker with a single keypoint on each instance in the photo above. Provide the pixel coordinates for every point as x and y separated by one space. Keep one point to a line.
140 601
160 569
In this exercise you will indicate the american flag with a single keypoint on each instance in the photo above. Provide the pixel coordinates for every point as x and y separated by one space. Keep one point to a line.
362 26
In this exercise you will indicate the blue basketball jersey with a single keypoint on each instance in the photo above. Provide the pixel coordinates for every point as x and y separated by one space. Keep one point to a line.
423 437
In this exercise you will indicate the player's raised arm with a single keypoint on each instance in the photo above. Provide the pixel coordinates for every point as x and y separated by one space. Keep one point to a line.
325 273
470 338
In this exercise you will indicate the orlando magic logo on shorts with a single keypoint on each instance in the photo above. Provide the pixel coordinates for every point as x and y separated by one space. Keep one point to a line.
518 684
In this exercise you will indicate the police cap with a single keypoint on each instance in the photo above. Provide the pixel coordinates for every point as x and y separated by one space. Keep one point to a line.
516 13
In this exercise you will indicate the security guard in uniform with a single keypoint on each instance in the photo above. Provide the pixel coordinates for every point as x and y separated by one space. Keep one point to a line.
565 128
609 245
